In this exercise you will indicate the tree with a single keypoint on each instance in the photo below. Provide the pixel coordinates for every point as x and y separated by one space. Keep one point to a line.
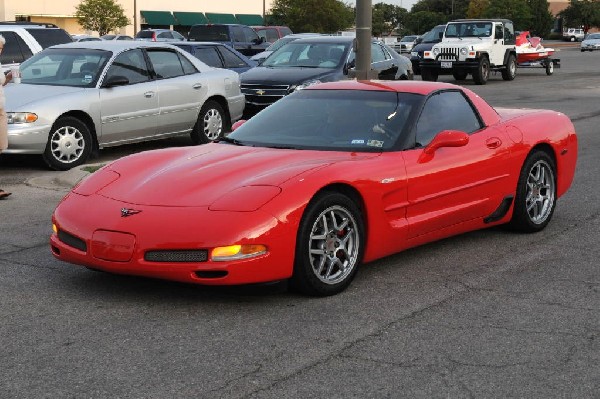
423 21
477 8
320 16
541 18
102 16
584 13
516 10
387 18
453 9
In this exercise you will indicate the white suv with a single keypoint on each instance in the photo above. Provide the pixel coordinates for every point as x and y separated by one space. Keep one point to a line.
24 40
573 34
473 46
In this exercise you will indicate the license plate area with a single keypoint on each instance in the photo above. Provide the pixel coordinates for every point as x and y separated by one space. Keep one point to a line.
446 64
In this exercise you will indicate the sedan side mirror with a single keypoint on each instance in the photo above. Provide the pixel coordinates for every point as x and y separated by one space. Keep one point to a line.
237 124
445 138
115 80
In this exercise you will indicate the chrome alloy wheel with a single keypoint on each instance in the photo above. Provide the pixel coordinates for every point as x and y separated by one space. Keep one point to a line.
212 124
67 144
334 245
540 192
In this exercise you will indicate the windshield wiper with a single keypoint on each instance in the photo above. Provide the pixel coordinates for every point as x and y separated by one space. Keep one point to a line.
229 140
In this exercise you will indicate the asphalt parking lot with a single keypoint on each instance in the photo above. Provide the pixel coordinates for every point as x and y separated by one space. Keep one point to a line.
490 314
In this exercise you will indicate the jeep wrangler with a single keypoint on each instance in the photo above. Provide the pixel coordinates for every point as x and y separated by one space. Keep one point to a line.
473 46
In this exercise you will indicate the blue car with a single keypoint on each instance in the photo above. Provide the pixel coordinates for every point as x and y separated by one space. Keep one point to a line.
218 55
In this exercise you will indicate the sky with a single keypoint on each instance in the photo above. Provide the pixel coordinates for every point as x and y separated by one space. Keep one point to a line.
402 3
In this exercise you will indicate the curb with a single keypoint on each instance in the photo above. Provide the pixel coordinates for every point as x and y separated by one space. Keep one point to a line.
61 180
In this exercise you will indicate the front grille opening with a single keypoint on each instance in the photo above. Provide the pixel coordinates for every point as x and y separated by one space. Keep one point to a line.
177 256
55 250
72 241
211 273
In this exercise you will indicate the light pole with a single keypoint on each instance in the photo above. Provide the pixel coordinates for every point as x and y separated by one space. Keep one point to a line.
364 16
134 17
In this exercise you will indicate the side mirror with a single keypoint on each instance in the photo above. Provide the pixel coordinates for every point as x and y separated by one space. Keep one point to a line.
237 124
116 80
418 40
445 138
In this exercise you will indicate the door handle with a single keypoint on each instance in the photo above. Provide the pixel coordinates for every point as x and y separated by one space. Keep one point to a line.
149 94
197 86
493 142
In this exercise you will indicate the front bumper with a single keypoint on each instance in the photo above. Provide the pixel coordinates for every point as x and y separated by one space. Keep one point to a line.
168 242
27 138
236 107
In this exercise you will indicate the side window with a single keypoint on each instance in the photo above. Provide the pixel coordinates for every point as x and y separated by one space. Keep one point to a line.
272 35
178 36
165 35
188 67
166 63
448 110
377 54
209 56
509 33
499 32
130 64
238 34
231 60
12 53
250 34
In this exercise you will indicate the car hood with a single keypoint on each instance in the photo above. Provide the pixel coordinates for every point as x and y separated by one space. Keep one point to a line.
591 41
290 76
18 96
423 46
198 176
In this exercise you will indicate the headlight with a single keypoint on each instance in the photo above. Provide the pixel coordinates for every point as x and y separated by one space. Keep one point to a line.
463 51
304 85
436 51
414 53
21 117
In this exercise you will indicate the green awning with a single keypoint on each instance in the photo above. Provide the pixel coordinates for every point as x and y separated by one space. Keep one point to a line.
250 19
158 17
216 18
190 18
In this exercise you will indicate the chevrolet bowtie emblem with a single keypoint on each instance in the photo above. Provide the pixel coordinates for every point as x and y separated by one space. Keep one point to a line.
260 92
128 212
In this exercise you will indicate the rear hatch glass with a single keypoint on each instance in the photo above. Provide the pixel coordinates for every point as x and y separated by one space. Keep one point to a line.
145 34
47 37
209 33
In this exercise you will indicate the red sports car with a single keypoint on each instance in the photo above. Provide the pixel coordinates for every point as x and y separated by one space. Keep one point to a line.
325 179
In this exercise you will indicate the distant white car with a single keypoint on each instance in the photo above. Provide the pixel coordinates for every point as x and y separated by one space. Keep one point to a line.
573 34
260 57
405 44
591 42
79 97
85 38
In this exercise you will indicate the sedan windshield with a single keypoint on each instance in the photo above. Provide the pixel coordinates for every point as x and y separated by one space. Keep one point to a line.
337 120
307 55
65 67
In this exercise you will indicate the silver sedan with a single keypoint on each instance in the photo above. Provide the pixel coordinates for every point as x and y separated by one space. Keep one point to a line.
79 97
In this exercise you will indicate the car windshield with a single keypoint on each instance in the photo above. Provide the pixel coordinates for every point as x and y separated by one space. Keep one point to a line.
593 36
335 120
308 55
432 36
280 43
408 39
469 29
65 67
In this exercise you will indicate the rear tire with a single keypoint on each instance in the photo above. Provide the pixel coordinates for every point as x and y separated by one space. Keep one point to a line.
329 246
549 68
510 71
69 144
536 194
212 123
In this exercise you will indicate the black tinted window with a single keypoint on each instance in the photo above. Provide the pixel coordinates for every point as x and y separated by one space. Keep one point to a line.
250 34
166 63
209 56
188 67
15 50
47 37
238 34
130 64
209 33
145 34
448 110
231 59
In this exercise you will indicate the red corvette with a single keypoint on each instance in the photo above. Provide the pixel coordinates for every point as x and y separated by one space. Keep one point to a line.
325 179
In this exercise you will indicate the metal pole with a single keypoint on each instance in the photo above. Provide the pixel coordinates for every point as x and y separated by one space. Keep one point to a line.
264 14
364 15
134 17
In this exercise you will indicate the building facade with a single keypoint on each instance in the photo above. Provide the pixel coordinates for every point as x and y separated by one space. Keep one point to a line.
62 12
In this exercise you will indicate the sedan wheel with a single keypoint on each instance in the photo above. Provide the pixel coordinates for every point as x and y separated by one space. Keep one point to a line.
536 193
212 123
329 246
69 144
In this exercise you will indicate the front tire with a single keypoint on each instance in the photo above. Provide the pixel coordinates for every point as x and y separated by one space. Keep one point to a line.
536 193
212 123
69 144
329 245
482 73
510 71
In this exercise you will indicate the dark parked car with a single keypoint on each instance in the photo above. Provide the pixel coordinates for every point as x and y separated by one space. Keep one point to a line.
425 44
218 55
240 37
312 60
260 57
272 33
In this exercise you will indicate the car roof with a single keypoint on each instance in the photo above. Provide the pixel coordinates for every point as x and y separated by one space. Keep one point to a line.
482 20
112 45
325 39
406 86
